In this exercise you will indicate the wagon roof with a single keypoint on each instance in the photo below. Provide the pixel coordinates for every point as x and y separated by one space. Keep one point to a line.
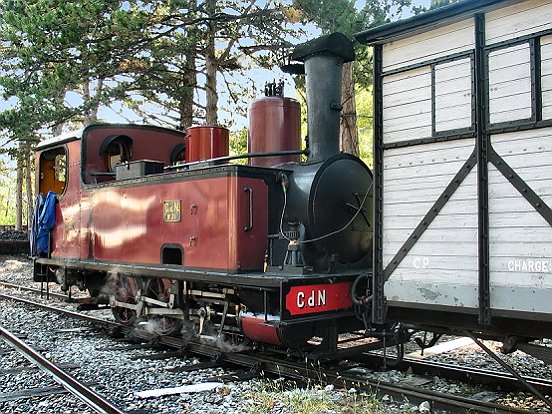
421 22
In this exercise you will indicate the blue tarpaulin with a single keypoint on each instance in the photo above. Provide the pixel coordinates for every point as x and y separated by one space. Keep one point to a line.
46 221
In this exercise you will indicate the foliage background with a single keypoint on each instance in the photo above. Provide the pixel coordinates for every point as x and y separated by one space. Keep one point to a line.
167 62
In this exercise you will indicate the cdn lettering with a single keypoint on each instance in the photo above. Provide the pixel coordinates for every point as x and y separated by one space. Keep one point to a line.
316 298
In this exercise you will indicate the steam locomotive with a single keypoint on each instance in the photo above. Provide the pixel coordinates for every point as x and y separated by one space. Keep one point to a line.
452 233
162 224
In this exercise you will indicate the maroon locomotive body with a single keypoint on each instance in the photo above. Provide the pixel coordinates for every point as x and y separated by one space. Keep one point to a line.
148 218
129 213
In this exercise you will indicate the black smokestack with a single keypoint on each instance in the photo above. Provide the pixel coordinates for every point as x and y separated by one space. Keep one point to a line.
324 58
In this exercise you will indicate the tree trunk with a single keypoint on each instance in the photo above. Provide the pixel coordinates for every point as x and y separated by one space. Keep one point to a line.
19 190
186 106
211 117
348 136
57 130
211 68
29 179
91 114
8 201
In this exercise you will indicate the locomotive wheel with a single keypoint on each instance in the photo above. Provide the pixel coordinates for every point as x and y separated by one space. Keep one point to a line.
163 325
126 289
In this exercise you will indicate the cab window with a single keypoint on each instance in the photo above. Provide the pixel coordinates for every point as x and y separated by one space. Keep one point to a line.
117 152
178 154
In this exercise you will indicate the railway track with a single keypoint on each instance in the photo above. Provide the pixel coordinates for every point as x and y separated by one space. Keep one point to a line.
274 363
42 292
75 315
84 393
500 380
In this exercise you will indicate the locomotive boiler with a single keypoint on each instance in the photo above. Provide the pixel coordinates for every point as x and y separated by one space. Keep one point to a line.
165 228
329 197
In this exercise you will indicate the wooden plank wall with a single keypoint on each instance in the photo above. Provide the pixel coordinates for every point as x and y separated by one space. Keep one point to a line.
427 91
417 103
453 95
520 19
444 41
407 105
520 238
510 84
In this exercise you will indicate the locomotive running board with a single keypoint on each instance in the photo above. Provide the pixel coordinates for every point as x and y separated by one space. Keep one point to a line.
256 279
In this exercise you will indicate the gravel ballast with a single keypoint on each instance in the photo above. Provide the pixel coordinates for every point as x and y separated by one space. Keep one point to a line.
118 376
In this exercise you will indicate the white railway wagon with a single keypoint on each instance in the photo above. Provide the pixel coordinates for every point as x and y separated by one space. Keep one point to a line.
463 168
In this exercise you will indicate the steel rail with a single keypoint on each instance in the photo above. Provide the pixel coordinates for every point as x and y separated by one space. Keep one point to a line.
67 381
301 371
508 368
455 372
75 315
34 290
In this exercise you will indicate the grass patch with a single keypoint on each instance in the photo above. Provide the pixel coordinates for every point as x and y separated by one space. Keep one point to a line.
290 398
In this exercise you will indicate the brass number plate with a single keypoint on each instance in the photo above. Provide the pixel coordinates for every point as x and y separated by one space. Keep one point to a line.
171 211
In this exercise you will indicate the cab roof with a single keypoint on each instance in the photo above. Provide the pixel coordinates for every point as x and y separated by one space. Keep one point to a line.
60 139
